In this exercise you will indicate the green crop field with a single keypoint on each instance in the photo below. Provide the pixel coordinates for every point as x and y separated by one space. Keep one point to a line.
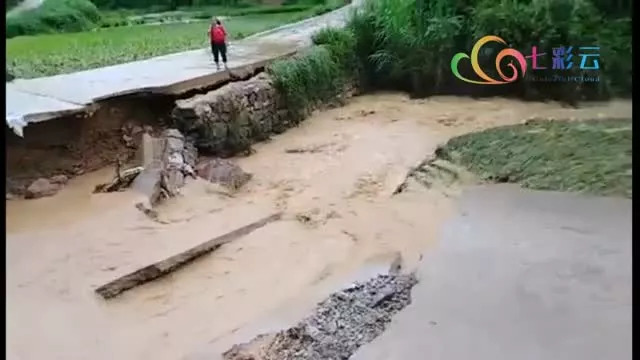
582 156
51 54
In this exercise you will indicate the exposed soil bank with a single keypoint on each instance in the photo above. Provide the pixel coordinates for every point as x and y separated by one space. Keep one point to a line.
89 141
83 143
222 121
333 177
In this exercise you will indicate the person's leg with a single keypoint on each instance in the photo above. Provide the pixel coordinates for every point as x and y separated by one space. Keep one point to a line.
214 50
223 52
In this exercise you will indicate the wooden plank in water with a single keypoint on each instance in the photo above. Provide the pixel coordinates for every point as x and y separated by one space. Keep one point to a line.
161 268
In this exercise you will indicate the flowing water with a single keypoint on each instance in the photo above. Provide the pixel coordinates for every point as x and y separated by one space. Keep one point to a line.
332 177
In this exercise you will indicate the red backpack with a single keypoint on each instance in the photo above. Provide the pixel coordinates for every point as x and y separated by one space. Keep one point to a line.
218 34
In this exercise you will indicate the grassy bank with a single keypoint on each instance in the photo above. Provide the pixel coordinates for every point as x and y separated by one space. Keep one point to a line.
42 55
589 156
316 76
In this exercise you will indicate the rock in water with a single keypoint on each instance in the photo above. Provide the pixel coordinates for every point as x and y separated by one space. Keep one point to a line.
223 172
176 159
41 188
59 179
167 161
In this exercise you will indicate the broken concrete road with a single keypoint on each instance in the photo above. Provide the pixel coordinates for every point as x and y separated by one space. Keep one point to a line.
521 275
46 98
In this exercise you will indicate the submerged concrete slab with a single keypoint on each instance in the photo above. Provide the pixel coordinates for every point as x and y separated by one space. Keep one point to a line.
521 275
46 98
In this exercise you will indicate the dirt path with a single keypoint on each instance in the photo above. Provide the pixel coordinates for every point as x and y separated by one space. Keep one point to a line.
333 177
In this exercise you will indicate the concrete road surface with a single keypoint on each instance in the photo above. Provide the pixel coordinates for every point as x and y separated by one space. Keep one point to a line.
521 275
46 98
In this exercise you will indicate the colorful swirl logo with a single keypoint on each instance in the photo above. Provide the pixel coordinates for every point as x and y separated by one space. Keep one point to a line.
501 55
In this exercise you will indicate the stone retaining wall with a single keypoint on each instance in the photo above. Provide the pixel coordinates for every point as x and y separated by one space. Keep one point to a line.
228 120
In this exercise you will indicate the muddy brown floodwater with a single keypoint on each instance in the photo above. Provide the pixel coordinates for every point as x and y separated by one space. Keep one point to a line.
333 177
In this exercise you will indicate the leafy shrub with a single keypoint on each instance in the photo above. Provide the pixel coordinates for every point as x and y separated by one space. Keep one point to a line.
341 46
307 80
615 43
54 16
363 28
416 41
408 44
545 25
614 9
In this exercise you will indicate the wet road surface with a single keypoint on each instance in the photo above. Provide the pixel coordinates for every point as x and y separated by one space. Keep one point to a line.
521 275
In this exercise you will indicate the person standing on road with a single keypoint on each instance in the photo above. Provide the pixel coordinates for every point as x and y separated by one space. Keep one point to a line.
218 37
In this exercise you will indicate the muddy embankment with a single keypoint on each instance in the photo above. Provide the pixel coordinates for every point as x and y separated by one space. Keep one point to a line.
222 120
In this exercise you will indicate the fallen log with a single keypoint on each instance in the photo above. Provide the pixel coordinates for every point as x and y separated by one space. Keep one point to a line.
161 268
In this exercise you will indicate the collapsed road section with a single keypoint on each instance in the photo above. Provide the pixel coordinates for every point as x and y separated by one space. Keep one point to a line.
48 98
223 122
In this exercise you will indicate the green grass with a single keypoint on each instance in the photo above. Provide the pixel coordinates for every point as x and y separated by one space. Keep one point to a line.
125 17
43 55
590 156
317 76
306 80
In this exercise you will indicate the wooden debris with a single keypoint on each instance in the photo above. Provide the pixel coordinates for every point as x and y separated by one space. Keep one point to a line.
154 271
121 181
